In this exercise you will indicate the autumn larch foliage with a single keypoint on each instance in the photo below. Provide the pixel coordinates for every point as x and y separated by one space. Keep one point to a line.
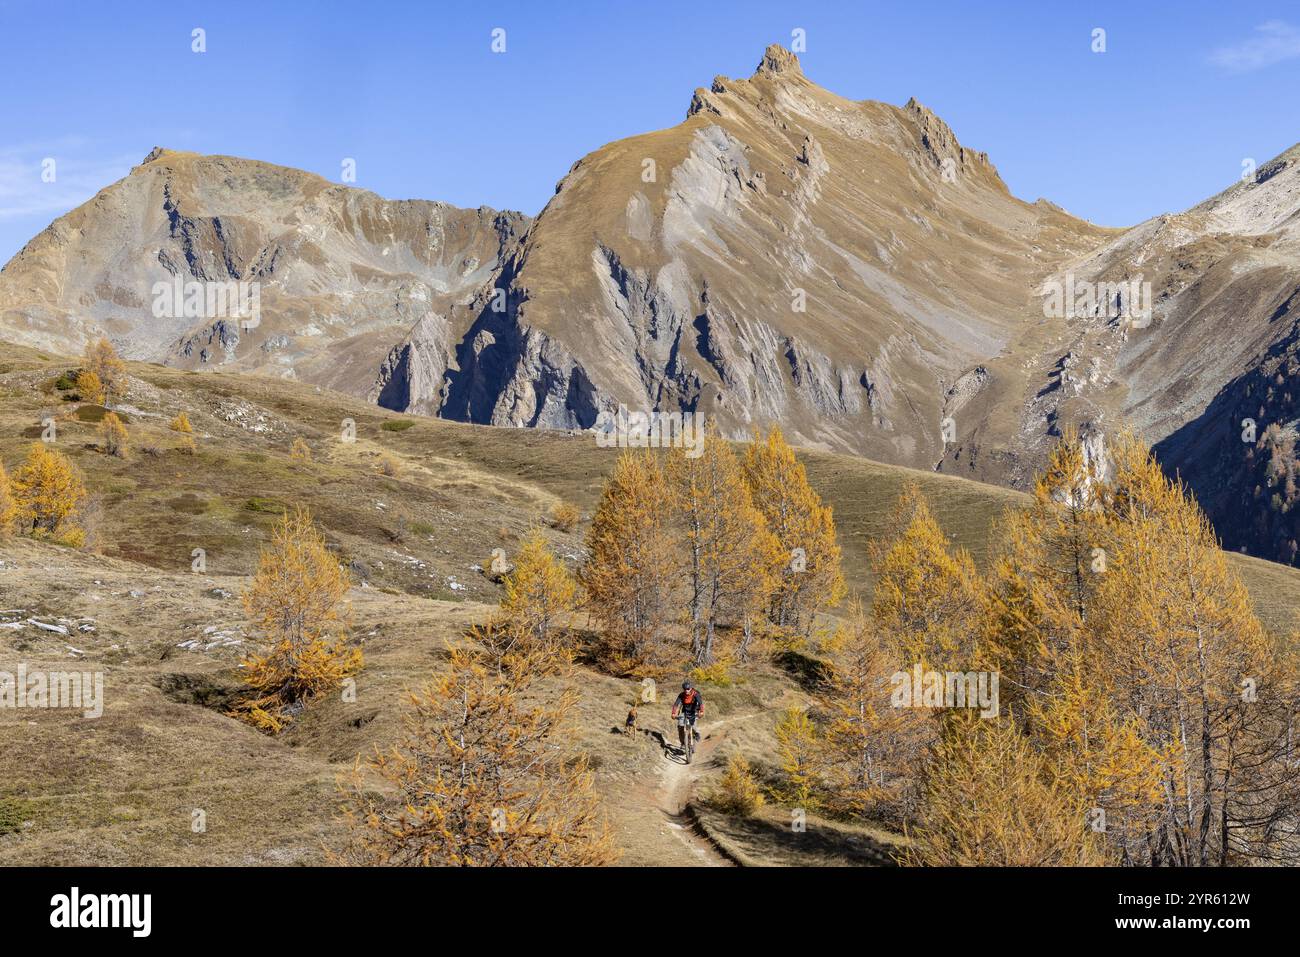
1147 709
539 590
47 490
872 752
8 507
732 560
1181 647
479 777
89 387
632 572
738 793
990 802
927 597
102 360
800 753
300 451
811 579
181 423
113 435
295 600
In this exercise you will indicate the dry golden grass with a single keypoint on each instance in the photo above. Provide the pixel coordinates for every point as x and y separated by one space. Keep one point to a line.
123 788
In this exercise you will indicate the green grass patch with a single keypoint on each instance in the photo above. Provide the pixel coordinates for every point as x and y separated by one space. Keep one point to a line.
14 812
397 425
259 504
96 413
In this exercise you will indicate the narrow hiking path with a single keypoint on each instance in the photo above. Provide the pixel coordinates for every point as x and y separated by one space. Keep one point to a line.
677 787
675 792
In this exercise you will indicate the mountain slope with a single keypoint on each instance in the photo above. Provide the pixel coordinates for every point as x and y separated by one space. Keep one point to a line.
1213 379
341 274
848 269
783 254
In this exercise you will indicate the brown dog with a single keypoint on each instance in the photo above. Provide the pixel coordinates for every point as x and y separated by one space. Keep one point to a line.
630 724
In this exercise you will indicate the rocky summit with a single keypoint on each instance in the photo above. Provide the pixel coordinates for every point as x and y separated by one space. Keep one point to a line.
846 268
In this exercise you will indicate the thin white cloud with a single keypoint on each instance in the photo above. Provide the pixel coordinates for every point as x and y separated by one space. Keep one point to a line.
1272 42
25 191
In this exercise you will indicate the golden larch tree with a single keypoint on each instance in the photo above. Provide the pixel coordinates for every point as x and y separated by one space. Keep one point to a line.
1046 570
631 573
732 561
799 753
296 598
539 591
989 803
811 578
479 777
927 599
102 360
1180 644
48 490
8 507
113 435
873 752
90 388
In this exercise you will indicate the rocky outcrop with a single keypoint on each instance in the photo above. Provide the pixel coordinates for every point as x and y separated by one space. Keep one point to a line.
342 273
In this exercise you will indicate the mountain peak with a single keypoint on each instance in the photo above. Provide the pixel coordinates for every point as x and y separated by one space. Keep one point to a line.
777 60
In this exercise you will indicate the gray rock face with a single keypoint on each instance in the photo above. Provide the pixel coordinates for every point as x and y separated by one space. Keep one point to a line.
847 269
341 274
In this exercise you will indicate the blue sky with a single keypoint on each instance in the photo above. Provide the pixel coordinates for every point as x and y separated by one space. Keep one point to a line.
413 92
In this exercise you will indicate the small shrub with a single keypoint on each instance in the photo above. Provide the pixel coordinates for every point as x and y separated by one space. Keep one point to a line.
423 529
390 466
564 517
181 424
397 425
717 674
300 451
738 793
67 381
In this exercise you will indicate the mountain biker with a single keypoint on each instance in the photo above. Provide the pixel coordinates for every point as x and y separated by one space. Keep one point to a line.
688 706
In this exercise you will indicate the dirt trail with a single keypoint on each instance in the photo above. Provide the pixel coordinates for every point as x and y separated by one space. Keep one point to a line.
677 787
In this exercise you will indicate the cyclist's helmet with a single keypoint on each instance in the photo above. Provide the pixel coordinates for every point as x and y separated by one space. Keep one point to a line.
687 686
